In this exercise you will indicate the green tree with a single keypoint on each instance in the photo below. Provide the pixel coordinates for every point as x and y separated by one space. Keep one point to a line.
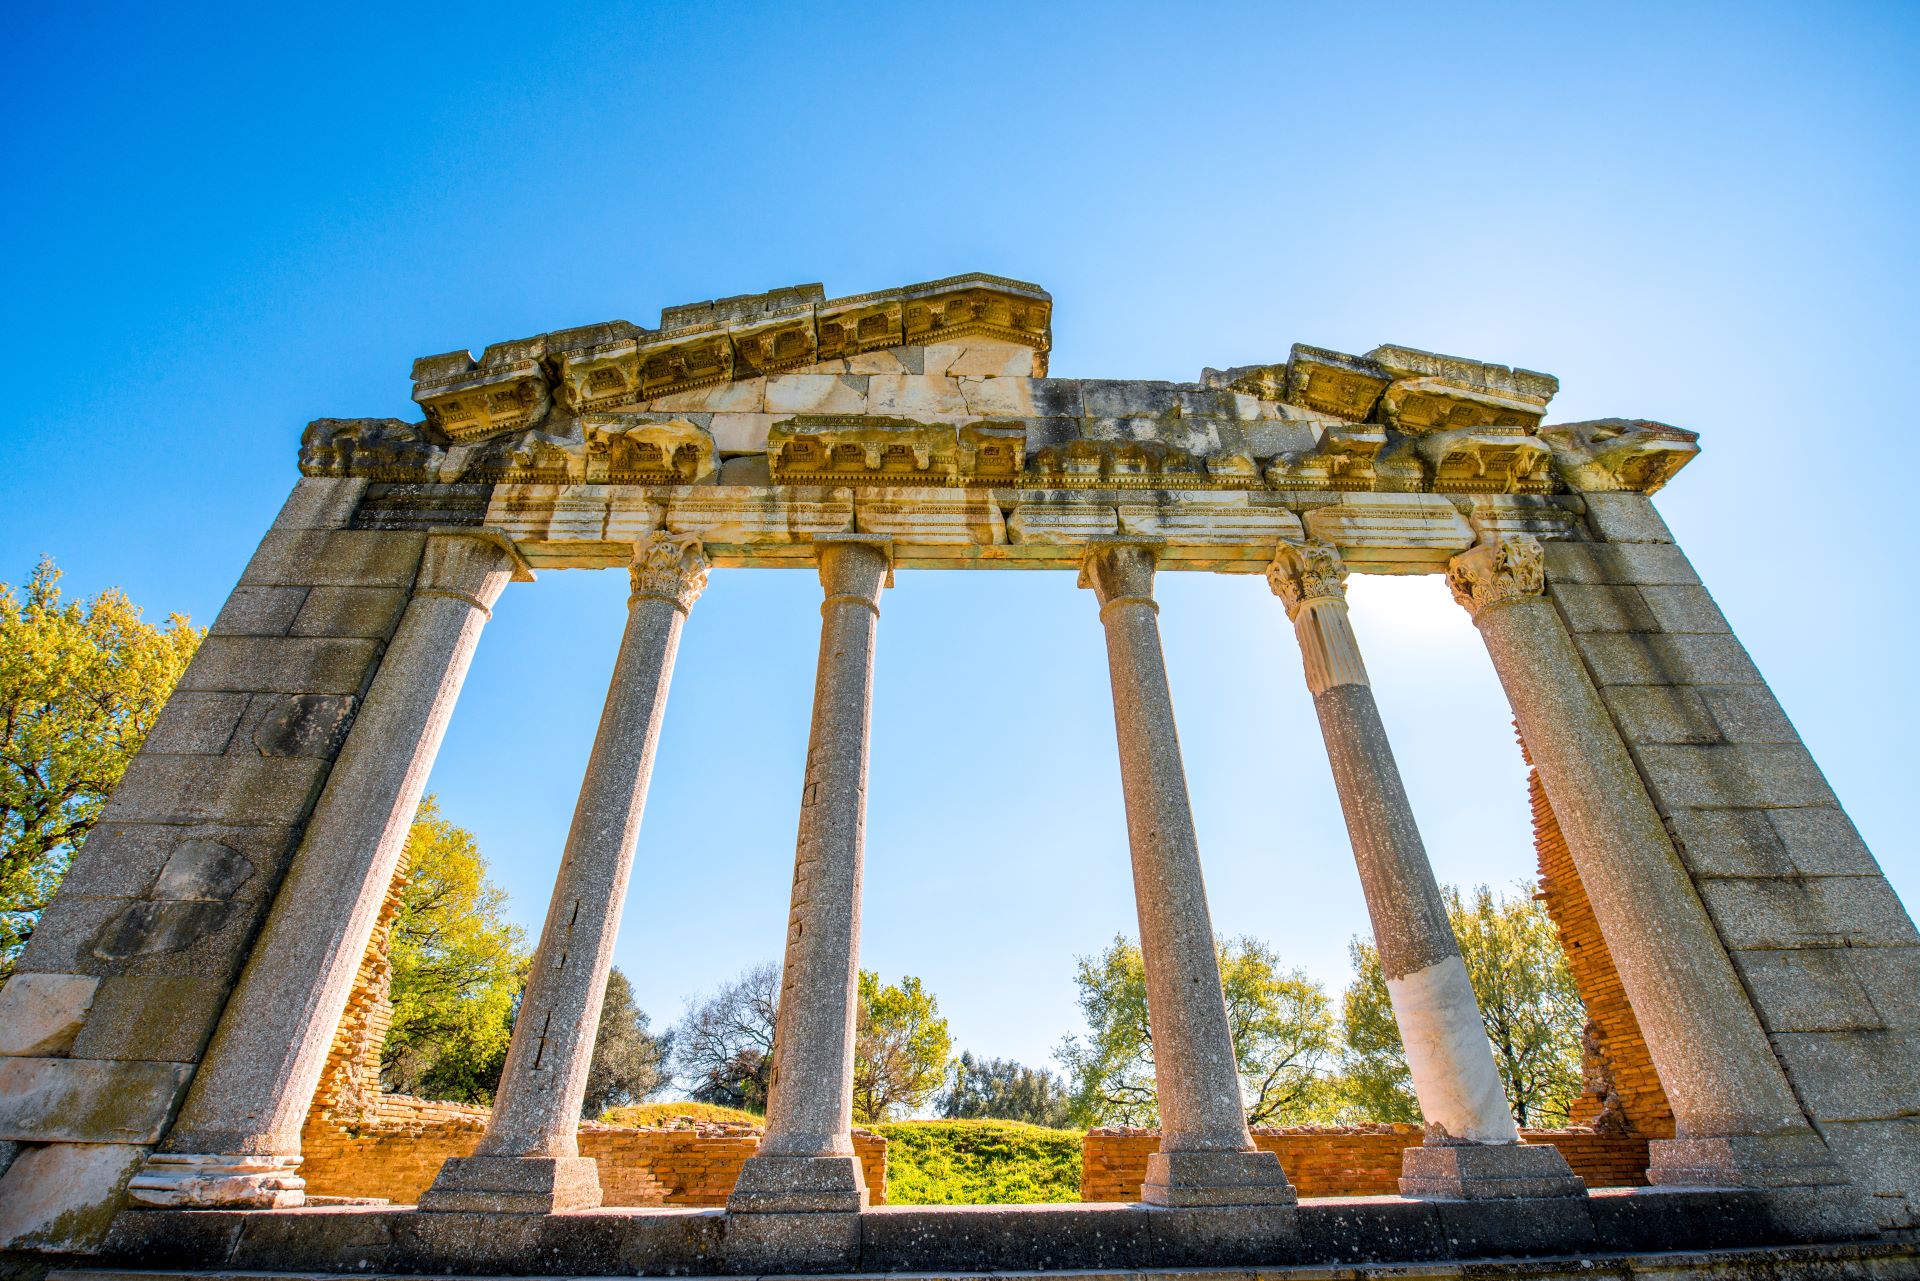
1281 1021
1528 1001
1003 1090
458 969
900 1049
723 1044
629 1062
81 684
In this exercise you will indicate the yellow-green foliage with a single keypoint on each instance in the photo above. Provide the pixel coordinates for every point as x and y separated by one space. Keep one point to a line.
980 1163
640 1114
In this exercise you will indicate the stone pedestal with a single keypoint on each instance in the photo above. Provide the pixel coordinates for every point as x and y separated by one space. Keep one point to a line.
528 1160
1206 1156
805 1163
237 1139
1462 1098
1728 1094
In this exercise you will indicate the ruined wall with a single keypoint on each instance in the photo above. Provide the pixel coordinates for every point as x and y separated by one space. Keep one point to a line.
1358 1160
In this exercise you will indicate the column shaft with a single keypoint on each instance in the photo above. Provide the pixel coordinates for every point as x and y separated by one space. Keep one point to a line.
1206 1155
237 1140
1736 1118
1462 1098
805 1161
529 1159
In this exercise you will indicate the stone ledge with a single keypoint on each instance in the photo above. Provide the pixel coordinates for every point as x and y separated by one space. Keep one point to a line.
1349 1232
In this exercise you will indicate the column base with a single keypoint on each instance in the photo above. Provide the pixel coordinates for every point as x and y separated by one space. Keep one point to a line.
1487 1172
1805 1191
514 1185
219 1180
1198 1179
799 1185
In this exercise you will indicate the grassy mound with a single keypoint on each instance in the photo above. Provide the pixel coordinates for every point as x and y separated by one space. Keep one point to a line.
639 1114
980 1163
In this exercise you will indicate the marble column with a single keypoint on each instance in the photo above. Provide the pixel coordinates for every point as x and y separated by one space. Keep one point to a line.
237 1140
805 1162
1737 1122
1473 1149
529 1159
1206 1156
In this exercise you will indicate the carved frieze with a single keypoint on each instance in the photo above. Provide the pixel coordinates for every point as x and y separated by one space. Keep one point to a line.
505 391
786 342
1343 459
1488 461
983 306
1119 464
604 374
992 453
849 326
827 449
1333 382
635 450
374 448
1610 454
528 457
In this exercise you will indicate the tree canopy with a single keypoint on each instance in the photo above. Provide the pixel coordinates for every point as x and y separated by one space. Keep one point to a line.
723 1044
1004 1090
629 1062
458 968
1282 1026
1528 1000
81 684
900 1048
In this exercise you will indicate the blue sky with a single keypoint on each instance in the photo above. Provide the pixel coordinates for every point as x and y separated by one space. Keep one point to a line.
225 223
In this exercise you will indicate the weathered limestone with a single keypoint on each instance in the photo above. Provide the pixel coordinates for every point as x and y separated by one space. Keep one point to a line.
1737 1121
237 1139
805 1164
1473 1147
1206 1156
529 1159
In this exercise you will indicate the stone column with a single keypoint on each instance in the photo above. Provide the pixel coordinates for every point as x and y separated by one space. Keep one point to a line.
237 1140
1737 1121
1206 1156
529 1159
1473 1149
805 1163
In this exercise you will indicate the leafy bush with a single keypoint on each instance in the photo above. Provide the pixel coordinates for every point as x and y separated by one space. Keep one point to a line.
980 1163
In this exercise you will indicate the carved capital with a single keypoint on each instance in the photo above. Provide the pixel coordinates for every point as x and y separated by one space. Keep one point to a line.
470 565
669 567
1305 572
1497 571
1120 571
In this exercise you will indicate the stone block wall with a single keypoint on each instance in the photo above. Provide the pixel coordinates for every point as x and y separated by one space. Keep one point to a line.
1622 1090
120 988
1828 956
1358 1160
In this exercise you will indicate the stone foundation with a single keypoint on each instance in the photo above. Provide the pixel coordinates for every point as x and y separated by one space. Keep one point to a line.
1361 1160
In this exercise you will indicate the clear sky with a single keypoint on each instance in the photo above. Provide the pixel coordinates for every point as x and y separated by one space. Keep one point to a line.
226 223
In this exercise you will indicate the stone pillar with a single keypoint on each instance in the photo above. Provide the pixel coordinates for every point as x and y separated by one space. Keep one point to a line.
1473 1149
529 1159
1737 1122
805 1163
236 1142
1206 1156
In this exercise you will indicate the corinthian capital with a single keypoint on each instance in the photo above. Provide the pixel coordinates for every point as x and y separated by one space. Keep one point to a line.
669 567
1497 571
1305 572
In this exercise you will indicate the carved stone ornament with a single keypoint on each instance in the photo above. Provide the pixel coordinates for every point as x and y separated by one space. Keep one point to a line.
1343 459
375 448
669 567
1493 460
1612 454
1493 573
622 448
1305 572
861 450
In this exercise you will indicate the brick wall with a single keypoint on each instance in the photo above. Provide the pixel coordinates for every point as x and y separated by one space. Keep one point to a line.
1359 1160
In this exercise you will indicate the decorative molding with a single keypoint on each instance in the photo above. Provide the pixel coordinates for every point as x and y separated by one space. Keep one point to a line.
826 449
1302 573
627 449
1496 572
1613 454
669 567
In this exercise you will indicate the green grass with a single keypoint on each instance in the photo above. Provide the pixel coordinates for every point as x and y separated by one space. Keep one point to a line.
640 1114
979 1163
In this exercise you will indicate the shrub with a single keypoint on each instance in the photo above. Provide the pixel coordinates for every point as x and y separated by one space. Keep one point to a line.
648 1114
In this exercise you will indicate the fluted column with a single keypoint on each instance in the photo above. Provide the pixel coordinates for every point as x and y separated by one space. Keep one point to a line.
529 1159
1473 1147
1736 1120
805 1161
1206 1155
237 1140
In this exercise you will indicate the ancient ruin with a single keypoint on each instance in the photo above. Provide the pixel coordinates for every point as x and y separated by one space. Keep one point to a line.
173 1015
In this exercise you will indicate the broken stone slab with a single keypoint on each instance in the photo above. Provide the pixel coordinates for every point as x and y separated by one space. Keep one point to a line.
41 1014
